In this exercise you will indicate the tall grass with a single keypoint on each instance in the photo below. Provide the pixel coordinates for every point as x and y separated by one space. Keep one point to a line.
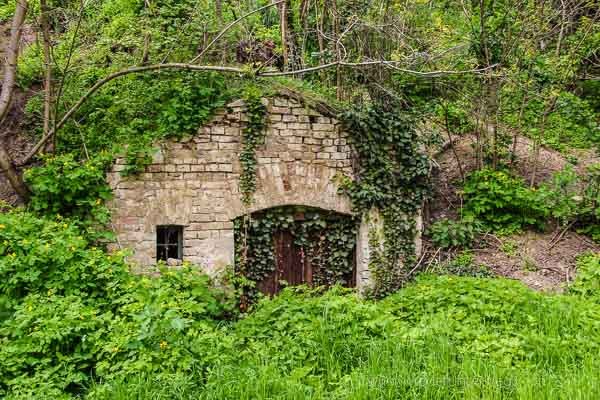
441 338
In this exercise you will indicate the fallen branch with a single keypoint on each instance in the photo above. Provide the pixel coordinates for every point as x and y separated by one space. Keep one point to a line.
385 63
554 242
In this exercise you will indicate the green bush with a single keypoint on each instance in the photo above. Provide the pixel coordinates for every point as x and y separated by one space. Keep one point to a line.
43 255
64 186
70 312
446 233
502 202
463 265
587 282
575 199
441 337
50 342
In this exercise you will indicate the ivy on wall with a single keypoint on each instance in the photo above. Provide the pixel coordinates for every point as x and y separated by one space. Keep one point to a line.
253 136
392 177
327 241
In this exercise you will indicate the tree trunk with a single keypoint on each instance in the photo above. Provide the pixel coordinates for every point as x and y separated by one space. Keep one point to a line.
284 34
45 28
12 53
336 34
7 166
8 85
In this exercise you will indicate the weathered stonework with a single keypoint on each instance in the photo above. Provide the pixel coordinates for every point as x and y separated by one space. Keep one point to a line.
194 182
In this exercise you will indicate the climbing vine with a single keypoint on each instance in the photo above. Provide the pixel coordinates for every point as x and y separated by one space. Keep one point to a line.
392 178
326 241
253 136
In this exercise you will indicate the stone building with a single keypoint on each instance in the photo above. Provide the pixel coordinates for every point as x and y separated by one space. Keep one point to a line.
182 206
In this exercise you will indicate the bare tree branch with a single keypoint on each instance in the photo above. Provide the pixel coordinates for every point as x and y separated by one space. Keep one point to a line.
390 64
228 27
111 77
193 67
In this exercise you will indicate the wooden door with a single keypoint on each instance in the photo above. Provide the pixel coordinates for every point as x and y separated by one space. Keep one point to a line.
291 265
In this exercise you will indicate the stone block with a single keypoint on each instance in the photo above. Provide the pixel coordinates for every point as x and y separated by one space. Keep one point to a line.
226 167
280 102
278 110
207 146
323 127
223 138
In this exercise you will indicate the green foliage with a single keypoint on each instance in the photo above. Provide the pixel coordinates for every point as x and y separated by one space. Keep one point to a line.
103 333
393 175
482 338
254 136
446 233
66 187
43 255
464 265
575 199
69 311
157 323
587 282
49 345
502 202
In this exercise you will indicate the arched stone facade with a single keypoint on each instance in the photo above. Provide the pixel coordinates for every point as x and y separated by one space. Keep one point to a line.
193 182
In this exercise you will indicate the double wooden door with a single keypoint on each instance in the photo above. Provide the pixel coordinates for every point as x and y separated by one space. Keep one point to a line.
291 265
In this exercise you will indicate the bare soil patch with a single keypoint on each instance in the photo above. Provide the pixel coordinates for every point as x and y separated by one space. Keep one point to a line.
534 258
531 257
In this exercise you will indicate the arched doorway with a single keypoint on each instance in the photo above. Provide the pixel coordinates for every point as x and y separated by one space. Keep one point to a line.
294 245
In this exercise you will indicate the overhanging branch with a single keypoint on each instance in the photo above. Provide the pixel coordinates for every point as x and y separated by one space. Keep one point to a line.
193 67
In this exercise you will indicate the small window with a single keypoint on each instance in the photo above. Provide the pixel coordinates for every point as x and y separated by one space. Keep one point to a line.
169 242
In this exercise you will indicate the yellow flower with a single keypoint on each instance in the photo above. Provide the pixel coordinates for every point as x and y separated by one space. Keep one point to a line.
2 226
98 201
163 345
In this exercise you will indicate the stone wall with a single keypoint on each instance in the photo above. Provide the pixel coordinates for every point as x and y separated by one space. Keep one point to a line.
194 182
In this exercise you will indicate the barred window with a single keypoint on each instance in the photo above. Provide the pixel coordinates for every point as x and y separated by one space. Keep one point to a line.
169 242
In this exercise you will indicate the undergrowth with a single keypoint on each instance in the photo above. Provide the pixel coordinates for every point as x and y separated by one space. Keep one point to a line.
75 323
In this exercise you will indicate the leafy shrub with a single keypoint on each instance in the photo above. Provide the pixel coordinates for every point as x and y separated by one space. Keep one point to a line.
463 265
575 199
561 195
69 311
41 255
446 233
51 340
573 123
70 188
587 282
502 202
157 323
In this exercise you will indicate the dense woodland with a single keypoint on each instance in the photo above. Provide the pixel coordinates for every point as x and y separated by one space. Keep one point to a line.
485 114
